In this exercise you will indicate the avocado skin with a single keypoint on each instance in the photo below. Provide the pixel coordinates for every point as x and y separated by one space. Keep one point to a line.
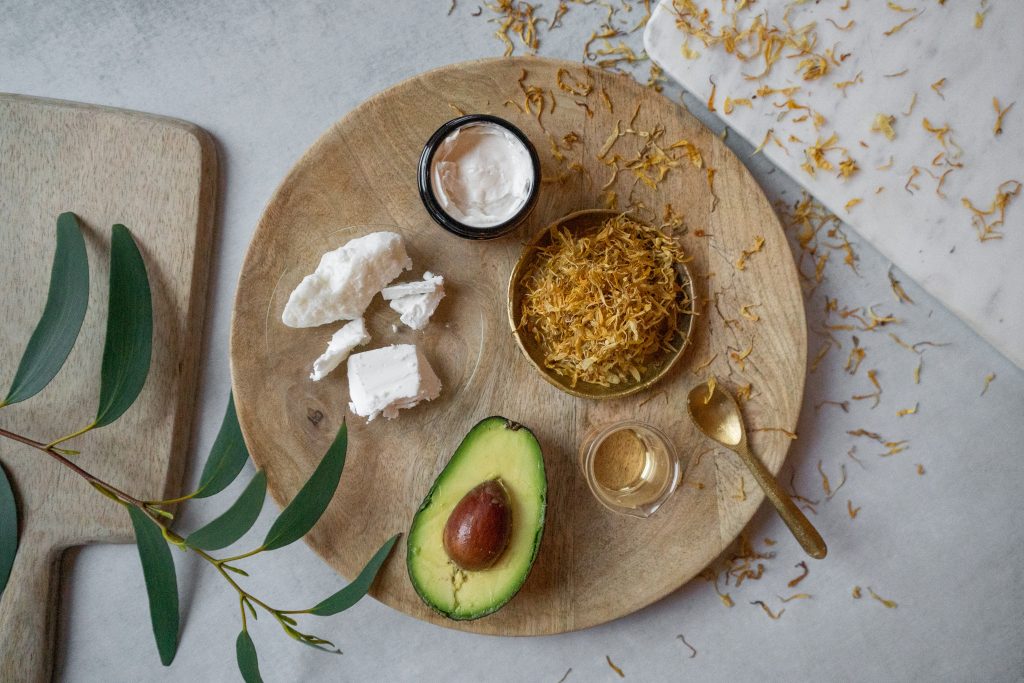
464 450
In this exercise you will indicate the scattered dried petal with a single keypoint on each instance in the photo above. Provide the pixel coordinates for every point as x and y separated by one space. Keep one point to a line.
888 603
692 648
898 290
997 129
614 668
883 124
805 569
988 380
767 610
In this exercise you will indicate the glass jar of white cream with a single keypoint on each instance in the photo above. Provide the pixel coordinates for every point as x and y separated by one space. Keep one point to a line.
479 176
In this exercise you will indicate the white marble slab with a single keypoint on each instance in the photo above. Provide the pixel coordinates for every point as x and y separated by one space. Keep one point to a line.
929 237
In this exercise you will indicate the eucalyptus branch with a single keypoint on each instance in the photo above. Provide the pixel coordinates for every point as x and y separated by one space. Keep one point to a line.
127 352
157 517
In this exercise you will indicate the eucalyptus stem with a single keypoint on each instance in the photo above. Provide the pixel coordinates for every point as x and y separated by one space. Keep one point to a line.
241 608
91 478
242 556
62 439
145 507
173 501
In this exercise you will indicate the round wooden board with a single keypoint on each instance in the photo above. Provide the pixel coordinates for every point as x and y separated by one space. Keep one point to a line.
593 565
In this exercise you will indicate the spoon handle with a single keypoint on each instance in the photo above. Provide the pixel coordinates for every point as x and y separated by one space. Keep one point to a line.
809 538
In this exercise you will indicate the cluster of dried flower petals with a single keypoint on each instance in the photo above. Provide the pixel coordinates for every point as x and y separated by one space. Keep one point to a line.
604 325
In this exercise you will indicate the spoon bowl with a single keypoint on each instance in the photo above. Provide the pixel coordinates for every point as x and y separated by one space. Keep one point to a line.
716 413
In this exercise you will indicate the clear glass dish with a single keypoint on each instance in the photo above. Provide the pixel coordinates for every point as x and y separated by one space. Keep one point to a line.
630 466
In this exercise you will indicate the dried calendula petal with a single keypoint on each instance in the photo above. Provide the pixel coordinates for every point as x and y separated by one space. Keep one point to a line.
898 290
988 221
888 603
898 27
731 103
988 380
604 325
906 411
768 610
614 668
805 569
758 245
515 18
883 124
572 85
997 129
693 650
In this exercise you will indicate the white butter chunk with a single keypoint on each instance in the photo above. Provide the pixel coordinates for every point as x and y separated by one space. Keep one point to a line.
429 284
384 381
350 336
416 301
346 280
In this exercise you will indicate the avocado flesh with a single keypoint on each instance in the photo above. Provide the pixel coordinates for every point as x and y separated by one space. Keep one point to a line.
496 448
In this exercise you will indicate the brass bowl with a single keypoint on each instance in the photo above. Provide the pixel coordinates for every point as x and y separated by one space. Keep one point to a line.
583 222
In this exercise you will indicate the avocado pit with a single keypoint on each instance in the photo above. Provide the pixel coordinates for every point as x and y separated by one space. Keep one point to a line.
479 527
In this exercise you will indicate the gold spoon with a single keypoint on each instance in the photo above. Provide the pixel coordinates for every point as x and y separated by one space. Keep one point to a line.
715 412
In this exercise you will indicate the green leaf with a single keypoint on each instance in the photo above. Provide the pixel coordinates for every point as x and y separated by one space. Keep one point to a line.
161 583
312 499
8 529
236 520
352 593
58 328
248 664
129 342
227 457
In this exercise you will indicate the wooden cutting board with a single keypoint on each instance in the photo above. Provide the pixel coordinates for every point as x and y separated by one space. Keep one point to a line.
360 176
157 176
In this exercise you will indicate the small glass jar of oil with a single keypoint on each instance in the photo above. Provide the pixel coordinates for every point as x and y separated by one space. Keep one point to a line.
630 467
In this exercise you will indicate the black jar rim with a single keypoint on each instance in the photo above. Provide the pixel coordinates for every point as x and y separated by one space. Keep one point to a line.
440 216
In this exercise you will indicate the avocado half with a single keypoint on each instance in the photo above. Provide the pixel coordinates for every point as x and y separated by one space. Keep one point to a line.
496 448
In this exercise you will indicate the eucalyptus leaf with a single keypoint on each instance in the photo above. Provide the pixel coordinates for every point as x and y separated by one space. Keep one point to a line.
8 529
227 457
315 642
129 342
235 521
58 328
312 499
248 664
352 593
161 583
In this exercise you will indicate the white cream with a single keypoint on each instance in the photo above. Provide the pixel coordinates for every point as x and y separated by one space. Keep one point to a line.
481 174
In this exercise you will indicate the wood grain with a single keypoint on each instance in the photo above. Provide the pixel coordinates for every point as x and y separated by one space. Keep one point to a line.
158 177
358 177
